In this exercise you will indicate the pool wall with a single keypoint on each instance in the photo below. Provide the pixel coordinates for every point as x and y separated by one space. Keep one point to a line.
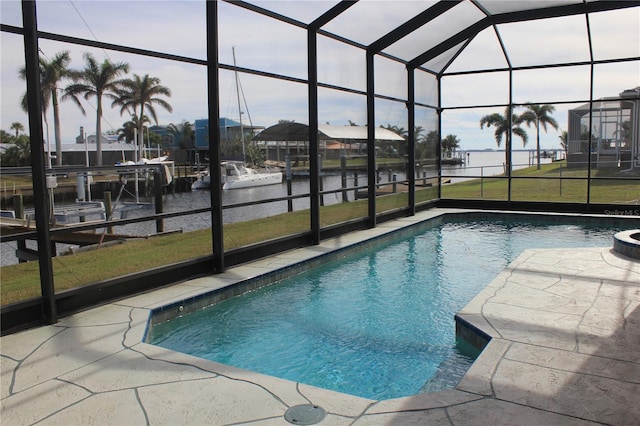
471 334
628 243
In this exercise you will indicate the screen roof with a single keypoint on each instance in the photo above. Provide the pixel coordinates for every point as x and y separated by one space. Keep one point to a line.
434 35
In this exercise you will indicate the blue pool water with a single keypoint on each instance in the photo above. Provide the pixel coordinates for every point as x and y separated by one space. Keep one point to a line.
377 324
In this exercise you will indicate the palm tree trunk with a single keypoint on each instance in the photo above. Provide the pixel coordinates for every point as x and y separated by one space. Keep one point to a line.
56 127
538 142
99 131
46 123
141 141
507 157
140 132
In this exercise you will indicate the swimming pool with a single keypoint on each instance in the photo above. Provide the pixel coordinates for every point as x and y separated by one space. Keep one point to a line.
377 323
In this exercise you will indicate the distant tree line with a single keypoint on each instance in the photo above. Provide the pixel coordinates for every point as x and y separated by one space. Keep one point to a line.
18 150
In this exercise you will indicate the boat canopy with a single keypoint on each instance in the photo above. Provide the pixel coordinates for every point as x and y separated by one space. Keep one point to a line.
300 132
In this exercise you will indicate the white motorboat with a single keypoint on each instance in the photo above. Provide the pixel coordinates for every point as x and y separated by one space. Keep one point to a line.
237 175
203 181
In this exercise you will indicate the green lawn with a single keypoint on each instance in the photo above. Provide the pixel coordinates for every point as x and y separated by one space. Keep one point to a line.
20 282
556 185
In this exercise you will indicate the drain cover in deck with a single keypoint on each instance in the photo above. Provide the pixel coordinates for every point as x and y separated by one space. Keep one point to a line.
305 414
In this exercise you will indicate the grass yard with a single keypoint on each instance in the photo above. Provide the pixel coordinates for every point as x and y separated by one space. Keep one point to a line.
21 282
552 183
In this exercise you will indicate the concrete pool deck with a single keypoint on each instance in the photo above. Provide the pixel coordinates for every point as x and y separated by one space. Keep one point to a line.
565 349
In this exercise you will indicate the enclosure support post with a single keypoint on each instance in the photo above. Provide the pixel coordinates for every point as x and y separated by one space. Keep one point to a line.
213 83
34 101
371 139
287 162
157 196
343 175
314 167
509 142
411 142
439 141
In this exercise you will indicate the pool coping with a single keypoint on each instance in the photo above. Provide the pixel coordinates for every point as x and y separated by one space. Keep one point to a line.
94 367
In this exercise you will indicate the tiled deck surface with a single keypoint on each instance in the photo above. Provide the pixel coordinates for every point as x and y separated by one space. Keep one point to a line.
565 350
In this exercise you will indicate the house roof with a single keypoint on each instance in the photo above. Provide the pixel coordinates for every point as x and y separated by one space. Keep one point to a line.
91 147
300 132
610 103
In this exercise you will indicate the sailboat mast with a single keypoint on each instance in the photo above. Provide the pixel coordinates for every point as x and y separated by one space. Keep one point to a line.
233 50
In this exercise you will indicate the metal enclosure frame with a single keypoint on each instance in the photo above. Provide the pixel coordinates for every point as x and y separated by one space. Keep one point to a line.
51 305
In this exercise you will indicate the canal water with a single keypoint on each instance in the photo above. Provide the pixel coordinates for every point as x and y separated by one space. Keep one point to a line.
481 163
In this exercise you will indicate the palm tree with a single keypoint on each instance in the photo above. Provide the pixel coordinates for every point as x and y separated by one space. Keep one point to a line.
501 125
18 153
18 127
96 80
51 73
6 137
139 93
129 128
426 145
183 134
127 131
400 131
450 144
564 137
388 147
539 115
419 141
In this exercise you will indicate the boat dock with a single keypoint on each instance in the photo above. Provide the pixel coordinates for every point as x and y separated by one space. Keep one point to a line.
20 226
393 187
13 226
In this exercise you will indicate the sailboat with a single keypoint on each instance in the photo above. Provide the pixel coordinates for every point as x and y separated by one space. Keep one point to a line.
236 174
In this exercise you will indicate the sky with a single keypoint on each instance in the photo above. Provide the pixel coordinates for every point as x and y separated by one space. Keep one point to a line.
178 27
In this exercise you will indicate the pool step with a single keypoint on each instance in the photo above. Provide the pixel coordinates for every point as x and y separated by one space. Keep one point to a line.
450 372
